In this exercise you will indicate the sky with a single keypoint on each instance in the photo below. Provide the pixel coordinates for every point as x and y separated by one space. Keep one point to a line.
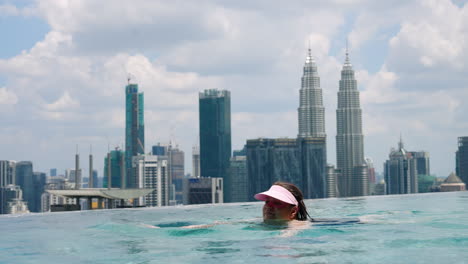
64 66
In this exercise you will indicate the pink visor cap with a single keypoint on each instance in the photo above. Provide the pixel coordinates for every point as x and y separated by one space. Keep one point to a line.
279 193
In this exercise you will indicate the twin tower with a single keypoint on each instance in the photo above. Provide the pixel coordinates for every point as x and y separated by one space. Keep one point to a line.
350 176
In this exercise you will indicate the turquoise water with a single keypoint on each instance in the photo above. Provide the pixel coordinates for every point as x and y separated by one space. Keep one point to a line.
424 228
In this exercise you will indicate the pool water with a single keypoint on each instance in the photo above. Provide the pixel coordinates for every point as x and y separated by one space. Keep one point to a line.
422 228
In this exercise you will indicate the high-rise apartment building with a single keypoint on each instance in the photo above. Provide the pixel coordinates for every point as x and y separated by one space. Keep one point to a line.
462 159
352 176
7 172
115 160
400 172
311 112
215 135
152 172
134 130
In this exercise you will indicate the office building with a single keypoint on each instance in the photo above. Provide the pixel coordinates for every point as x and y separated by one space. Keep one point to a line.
152 173
239 180
134 130
422 162
203 190
39 183
215 135
195 161
25 180
158 150
115 160
70 174
311 113
352 176
176 158
7 172
11 200
370 175
300 161
331 176
400 172
380 188
462 159
53 172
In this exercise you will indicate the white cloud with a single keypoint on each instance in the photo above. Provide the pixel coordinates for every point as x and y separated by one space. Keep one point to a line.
63 103
435 38
7 97
11 10
75 77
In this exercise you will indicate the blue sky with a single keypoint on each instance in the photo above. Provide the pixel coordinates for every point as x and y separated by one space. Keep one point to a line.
63 69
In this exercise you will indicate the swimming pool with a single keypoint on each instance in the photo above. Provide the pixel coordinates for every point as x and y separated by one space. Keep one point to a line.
423 228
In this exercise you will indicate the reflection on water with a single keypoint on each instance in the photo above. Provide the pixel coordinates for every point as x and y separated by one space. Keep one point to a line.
218 247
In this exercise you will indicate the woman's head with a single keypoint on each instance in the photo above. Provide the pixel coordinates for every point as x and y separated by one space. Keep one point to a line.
283 201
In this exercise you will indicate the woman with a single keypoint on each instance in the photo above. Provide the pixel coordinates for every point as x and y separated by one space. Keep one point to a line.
283 202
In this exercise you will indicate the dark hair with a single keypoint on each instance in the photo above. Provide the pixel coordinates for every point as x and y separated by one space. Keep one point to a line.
302 213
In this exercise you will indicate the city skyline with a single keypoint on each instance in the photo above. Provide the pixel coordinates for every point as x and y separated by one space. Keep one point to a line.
47 110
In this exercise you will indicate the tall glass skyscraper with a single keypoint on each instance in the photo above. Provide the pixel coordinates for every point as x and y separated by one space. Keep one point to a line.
311 111
115 160
215 135
25 180
352 170
400 171
134 130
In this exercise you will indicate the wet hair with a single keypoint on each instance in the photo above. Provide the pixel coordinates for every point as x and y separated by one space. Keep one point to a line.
302 213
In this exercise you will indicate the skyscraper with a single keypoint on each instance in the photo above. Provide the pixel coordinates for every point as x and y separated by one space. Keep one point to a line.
115 160
462 159
352 171
400 172
215 135
176 158
239 180
158 150
422 162
25 180
300 161
7 172
195 161
311 112
39 183
134 129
